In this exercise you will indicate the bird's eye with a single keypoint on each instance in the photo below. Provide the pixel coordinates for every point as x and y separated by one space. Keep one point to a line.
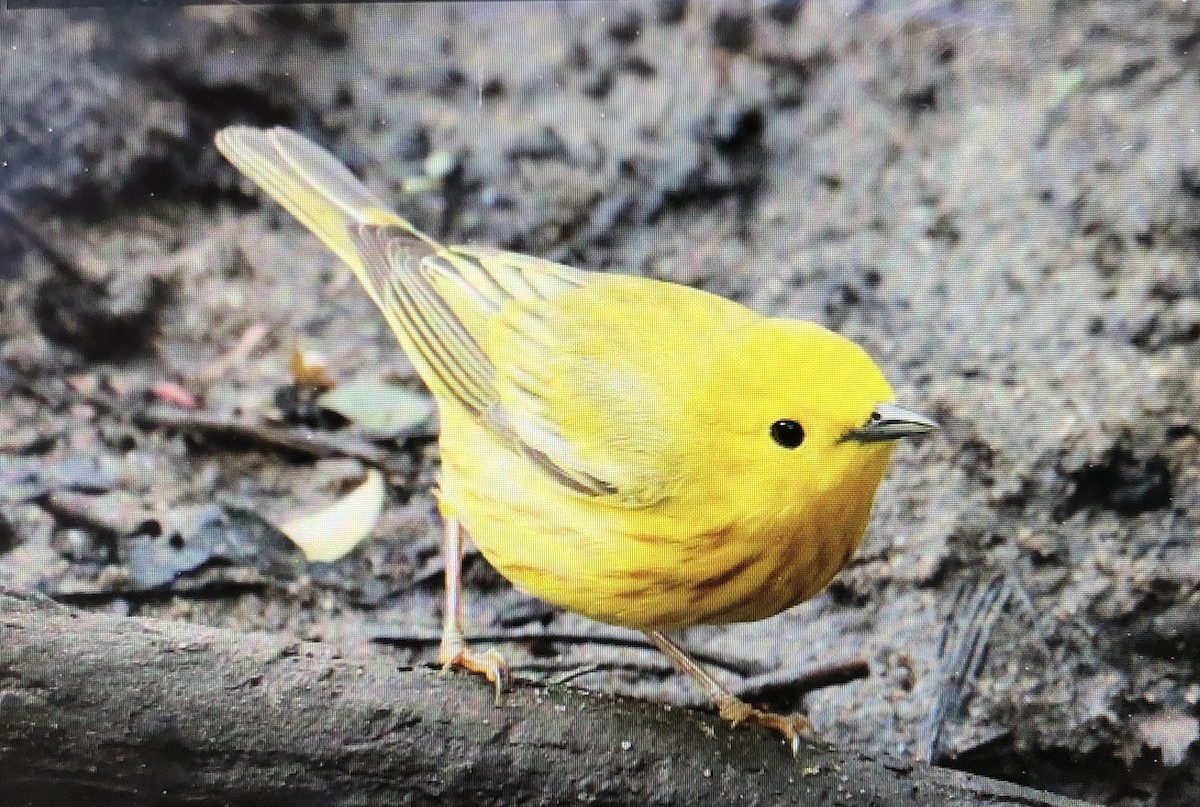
787 433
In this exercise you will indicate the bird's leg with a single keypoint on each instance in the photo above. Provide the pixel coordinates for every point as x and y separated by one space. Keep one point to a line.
794 727
453 650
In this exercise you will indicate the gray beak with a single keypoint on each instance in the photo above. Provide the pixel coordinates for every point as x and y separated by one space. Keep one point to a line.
890 422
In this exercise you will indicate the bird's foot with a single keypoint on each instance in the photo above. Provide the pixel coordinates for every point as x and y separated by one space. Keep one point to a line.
793 727
490 664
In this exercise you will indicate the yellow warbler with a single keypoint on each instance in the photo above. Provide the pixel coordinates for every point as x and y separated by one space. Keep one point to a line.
640 452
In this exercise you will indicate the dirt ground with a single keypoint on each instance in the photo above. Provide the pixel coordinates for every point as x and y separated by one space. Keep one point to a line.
1000 201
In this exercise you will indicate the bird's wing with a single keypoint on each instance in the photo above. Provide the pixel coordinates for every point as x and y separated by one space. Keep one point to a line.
603 380
544 355
564 366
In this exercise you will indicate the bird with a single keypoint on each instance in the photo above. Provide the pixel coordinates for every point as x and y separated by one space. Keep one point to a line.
644 453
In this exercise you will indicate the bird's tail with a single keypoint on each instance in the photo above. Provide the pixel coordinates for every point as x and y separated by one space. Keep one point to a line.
315 188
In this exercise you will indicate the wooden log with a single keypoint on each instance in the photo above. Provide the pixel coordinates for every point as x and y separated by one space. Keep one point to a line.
104 710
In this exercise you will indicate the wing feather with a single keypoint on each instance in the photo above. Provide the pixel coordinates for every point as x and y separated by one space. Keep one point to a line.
429 302
551 360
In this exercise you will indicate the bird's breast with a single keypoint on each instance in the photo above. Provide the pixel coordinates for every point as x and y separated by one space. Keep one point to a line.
654 568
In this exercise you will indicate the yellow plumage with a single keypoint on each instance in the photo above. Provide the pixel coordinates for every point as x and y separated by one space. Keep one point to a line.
609 442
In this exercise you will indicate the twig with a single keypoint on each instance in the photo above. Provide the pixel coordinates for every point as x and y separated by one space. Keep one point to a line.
659 671
568 673
309 442
819 678
216 583
240 351
423 640
43 243
776 687
96 512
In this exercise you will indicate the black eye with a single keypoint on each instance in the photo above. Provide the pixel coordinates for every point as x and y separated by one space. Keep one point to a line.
788 433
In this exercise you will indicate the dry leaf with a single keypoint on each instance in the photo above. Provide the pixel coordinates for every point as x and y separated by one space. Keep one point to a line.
330 534
378 408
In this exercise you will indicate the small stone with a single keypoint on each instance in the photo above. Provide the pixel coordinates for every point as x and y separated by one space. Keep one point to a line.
626 26
732 30
783 12
671 12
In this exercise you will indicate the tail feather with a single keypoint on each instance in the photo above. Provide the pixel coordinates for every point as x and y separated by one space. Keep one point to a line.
312 185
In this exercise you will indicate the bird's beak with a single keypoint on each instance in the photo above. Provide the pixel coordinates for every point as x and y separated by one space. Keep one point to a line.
890 422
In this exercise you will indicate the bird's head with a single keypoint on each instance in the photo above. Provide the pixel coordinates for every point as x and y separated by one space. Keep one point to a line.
814 417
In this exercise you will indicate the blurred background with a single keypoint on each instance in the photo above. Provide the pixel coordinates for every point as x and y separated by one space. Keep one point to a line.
1000 201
